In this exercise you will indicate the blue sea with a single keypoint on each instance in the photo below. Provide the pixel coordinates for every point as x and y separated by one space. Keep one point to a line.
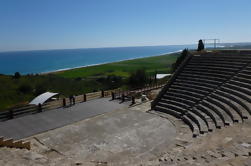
43 61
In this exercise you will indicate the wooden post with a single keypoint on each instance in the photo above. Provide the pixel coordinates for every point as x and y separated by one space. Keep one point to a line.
84 97
11 116
123 97
64 102
113 96
1 141
39 108
133 100
102 93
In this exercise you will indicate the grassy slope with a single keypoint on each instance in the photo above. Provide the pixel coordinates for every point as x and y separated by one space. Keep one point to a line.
160 63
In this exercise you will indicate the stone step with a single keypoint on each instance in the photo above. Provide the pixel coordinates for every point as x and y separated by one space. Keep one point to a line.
215 118
208 74
237 66
227 72
213 67
216 105
186 107
237 102
208 81
187 97
167 111
191 124
178 103
236 92
244 75
244 80
195 90
241 97
208 119
219 61
186 92
248 72
195 118
228 107
243 90
220 79
179 99
194 128
240 84
204 88
234 57
204 118
230 104
199 83
213 108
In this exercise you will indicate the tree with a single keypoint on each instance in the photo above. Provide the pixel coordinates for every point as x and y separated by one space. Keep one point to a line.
200 45
137 79
180 59
17 75
25 88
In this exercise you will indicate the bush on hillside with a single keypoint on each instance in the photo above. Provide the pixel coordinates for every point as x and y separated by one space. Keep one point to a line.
180 59
137 79
25 88
39 89
17 75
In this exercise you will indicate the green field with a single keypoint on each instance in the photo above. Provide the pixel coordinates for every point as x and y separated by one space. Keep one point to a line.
161 64
78 81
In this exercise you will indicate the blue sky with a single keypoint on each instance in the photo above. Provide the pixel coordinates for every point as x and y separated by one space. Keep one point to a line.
56 24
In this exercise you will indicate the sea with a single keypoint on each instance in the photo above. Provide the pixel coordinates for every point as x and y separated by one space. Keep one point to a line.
45 61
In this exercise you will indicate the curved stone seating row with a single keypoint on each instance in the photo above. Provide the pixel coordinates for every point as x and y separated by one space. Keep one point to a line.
178 115
210 92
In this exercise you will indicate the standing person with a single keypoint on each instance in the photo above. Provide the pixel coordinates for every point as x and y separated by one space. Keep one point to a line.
39 107
70 98
73 100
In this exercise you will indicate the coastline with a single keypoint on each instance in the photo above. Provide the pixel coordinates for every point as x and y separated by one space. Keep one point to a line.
84 66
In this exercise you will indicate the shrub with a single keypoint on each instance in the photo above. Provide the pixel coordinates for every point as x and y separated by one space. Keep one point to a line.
25 88
39 89
180 59
137 79
17 75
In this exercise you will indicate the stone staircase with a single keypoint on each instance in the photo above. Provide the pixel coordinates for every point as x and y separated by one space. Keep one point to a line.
209 91
11 143
208 157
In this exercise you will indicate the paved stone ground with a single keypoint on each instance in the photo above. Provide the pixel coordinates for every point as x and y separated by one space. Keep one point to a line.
122 137
33 124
